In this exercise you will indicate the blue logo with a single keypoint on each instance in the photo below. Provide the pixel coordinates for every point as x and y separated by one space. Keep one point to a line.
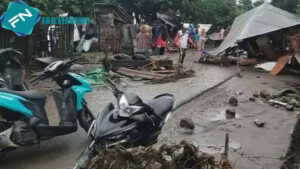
20 18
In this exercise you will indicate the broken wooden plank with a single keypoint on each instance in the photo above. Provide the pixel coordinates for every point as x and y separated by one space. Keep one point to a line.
140 74
115 64
165 71
281 62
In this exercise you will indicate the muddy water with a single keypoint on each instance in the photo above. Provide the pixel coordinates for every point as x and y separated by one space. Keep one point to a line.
266 145
62 152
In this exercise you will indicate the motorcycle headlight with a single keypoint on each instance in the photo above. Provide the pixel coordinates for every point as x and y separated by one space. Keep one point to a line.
129 110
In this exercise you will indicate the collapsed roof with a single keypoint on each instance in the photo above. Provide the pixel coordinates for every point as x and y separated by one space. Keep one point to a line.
169 20
258 21
119 13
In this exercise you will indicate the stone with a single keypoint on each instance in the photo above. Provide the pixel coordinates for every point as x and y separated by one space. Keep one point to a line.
285 99
187 123
289 108
269 98
235 146
264 93
256 94
284 92
167 158
252 99
259 123
230 113
257 77
294 102
233 101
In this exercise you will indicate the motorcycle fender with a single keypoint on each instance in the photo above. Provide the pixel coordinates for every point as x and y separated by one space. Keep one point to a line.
14 103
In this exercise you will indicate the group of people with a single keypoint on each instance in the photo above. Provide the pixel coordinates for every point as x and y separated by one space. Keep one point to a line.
198 37
153 38
156 38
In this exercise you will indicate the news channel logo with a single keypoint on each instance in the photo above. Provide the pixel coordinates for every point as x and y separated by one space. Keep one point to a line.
20 18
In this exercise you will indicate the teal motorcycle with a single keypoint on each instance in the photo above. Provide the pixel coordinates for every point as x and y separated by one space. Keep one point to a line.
23 119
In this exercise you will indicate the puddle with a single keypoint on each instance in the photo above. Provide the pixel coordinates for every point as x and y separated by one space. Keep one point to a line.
217 115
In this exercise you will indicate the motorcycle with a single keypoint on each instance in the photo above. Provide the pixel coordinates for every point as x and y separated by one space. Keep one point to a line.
132 123
23 119
12 71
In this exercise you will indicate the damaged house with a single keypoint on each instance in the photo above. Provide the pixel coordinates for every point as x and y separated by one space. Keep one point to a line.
265 32
115 28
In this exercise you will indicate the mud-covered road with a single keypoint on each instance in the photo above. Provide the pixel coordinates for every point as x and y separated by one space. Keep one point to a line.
61 152
250 147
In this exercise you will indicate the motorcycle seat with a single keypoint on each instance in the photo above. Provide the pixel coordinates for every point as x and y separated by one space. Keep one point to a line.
161 105
30 95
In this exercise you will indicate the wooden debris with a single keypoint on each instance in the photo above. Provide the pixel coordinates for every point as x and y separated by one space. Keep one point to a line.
174 76
139 74
163 76
282 61
115 64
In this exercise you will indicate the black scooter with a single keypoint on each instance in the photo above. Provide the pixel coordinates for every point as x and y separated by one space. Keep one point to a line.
133 123
12 70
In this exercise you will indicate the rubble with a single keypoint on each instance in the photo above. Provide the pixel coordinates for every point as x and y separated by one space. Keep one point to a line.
183 156
233 101
230 113
157 76
138 61
252 99
286 98
289 108
255 94
187 123
259 123
264 93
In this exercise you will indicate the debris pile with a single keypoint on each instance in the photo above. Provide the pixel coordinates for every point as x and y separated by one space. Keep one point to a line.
138 61
181 156
155 77
286 98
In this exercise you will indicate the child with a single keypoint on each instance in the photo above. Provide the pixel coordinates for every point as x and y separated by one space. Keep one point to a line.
161 41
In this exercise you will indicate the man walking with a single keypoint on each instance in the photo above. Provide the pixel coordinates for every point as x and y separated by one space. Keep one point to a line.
181 42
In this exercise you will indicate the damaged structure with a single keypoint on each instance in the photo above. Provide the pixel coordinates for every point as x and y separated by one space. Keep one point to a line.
266 33
115 28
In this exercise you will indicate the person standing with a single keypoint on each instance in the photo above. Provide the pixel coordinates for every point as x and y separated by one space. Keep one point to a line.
144 40
202 39
202 45
161 41
181 42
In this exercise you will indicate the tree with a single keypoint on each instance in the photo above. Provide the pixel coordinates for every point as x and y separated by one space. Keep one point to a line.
288 5
258 3
245 4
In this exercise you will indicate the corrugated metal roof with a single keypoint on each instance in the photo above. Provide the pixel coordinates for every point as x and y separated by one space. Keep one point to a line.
258 21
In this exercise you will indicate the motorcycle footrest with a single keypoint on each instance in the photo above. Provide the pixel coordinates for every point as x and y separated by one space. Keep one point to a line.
52 131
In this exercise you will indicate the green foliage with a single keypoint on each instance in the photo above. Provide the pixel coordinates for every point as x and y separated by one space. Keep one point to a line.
245 4
288 5
258 3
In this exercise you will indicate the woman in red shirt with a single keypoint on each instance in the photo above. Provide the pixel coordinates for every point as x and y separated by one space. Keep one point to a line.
161 41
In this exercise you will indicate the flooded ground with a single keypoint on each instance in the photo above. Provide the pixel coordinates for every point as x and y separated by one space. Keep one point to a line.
250 147
62 152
